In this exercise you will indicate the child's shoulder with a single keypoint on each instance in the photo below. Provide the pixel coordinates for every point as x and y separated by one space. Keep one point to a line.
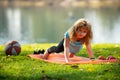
67 34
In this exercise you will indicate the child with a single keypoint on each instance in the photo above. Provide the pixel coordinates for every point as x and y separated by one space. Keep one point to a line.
79 34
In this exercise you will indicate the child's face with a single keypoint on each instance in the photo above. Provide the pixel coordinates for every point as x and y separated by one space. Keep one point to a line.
82 32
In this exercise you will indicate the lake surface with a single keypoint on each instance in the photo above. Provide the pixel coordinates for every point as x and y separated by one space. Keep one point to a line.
48 24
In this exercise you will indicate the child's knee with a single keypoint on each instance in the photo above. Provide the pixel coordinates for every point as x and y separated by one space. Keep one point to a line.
71 55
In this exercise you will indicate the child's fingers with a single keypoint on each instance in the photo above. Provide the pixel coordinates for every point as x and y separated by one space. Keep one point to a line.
92 59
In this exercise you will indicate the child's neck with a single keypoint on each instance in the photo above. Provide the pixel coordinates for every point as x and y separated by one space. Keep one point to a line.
78 39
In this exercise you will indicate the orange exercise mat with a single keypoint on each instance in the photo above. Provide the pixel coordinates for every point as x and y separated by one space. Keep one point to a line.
59 58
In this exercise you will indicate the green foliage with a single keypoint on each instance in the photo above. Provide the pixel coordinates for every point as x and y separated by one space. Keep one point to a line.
22 67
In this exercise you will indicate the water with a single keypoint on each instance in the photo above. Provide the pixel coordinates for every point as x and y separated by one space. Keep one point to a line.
48 25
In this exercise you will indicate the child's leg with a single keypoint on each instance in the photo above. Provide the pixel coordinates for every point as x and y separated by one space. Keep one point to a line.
57 49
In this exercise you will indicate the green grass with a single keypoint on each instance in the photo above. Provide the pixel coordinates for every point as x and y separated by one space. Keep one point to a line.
22 67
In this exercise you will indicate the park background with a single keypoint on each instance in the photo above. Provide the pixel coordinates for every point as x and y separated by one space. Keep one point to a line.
46 21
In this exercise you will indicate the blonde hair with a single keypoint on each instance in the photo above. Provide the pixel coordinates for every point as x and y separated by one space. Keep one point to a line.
81 23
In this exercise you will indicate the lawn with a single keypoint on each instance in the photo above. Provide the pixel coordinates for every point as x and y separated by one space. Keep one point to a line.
22 67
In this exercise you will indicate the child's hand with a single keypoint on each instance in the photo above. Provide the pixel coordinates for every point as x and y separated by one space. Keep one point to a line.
92 59
69 60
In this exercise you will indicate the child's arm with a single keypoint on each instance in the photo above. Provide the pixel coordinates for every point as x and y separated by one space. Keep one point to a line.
89 50
66 49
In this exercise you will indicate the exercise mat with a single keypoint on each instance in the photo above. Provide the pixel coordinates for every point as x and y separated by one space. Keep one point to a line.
59 58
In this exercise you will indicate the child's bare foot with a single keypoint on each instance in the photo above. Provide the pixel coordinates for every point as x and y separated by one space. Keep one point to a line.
45 55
